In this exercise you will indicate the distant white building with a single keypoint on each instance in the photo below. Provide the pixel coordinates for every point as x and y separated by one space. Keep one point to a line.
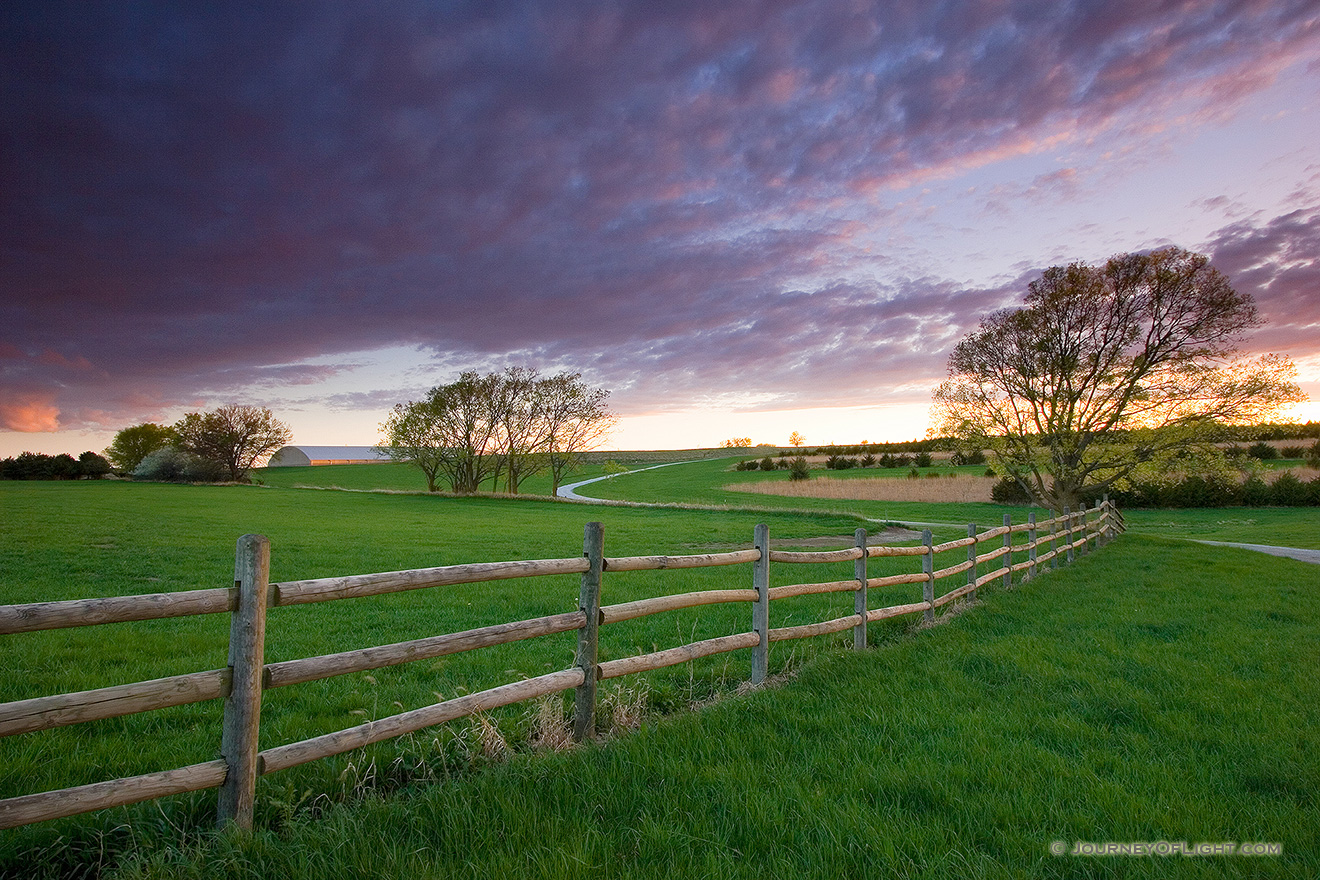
303 456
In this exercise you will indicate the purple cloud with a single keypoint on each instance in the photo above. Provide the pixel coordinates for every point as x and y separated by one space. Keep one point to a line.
196 198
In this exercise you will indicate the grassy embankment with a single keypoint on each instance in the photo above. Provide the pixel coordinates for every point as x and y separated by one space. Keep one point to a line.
1180 705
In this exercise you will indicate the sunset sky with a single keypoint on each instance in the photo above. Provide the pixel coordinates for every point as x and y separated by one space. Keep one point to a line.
741 218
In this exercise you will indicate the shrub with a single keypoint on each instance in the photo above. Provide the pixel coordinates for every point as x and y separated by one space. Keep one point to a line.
798 470
1009 491
1288 491
1198 491
967 456
868 460
1292 452
1263 451
923 459
1255 493
1313 455
767 464
173 465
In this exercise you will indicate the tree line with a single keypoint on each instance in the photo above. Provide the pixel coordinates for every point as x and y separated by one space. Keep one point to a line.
499 428
40 466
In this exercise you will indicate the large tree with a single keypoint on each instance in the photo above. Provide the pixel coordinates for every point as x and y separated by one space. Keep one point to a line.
1108 370
575 419
234 437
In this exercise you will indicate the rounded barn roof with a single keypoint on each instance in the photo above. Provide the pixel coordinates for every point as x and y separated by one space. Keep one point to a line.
296 456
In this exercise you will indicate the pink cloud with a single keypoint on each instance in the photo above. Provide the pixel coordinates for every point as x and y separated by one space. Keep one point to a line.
29 414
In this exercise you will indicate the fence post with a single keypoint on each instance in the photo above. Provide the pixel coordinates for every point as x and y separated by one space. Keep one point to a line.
584 699
1054 541
971 557
242 713
1008 557
1086 528
1031 540
761 608
1104 521
1068 532
928 569
860 600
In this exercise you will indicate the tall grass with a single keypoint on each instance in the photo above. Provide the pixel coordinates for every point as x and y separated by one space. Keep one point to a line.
77 540
1157 691
1154 689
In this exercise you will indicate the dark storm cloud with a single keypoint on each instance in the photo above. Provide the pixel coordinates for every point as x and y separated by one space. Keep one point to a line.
195 197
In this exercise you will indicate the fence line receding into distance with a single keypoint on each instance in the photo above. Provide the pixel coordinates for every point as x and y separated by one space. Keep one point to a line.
242 682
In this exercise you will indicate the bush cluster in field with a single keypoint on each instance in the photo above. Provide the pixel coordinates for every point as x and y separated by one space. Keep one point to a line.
1196 491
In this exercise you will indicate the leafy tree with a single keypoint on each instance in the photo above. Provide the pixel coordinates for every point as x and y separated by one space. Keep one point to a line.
234 437
576 419
510 425
93 466
131 445
796 440
737 443
452 431
1108 371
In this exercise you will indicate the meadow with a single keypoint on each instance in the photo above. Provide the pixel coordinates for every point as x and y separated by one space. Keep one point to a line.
1180 705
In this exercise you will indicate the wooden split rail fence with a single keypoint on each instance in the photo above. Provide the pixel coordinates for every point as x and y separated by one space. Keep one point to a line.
241 683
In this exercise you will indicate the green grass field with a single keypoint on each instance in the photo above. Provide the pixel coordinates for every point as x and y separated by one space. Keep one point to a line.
1159 690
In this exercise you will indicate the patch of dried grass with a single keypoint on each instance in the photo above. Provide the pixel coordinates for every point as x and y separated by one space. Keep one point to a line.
550 729
962 488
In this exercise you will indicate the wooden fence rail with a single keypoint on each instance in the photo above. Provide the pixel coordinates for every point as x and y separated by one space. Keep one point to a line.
246 677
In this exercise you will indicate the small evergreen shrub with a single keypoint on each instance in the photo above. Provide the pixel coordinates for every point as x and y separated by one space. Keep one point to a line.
1262 451
1009 491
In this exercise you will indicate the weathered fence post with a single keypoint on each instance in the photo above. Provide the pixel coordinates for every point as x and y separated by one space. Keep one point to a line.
761 607
1086 529
1031 541
242 714
1068 526
971 557
1104 522
584 699
928 569
1054 542
859 600
1008 555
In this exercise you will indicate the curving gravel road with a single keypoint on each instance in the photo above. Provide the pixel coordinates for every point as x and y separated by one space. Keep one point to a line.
1297 553
568 492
